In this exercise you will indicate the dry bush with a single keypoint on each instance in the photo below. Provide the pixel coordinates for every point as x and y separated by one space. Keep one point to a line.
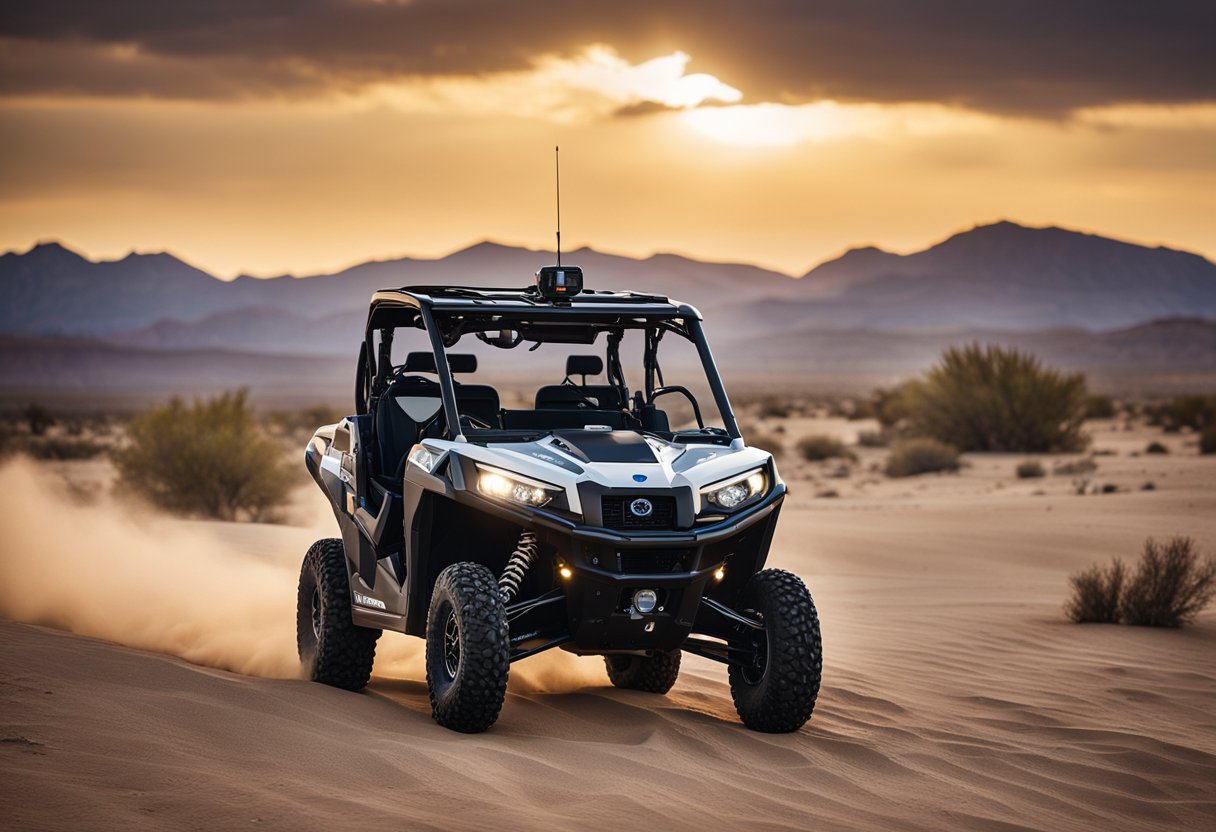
1207 440
773 407
818 447
771 442
861 409
1096 593
873 439
1031 469
891 406
1099 406
1156 448
911 457
1195 412
207 459
993 399
1171 585
37 419
63 448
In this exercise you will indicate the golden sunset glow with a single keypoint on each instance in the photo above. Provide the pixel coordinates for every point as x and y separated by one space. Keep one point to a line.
256 160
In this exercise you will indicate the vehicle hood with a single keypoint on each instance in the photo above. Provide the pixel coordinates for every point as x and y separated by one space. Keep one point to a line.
615 460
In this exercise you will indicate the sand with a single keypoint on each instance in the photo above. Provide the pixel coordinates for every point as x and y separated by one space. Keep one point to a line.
955 694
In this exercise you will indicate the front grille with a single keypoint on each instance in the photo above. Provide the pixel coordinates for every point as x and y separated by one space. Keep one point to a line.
617 514
653 561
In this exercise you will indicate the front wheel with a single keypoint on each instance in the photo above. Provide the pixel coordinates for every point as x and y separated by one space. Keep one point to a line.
467 649
775 690
333 649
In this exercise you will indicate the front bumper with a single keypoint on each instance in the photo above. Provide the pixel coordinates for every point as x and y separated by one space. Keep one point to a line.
607 566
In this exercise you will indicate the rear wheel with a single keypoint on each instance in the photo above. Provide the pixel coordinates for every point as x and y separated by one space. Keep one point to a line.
776 690
333 650
467 649
654 674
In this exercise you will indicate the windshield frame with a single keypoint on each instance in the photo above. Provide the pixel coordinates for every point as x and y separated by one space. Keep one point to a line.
446 324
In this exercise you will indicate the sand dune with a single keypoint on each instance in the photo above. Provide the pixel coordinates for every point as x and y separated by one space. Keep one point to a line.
955 697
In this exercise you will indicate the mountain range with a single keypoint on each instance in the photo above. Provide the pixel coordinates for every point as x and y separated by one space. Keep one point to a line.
1080 300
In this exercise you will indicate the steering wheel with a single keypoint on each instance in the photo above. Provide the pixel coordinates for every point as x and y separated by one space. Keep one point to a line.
587 401
683 391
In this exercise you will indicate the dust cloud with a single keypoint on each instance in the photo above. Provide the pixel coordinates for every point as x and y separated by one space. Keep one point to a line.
220 595
103 570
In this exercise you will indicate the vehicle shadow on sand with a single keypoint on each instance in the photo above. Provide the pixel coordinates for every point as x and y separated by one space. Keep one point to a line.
626 716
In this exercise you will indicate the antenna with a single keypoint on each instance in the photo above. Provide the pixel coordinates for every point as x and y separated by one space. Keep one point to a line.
557 167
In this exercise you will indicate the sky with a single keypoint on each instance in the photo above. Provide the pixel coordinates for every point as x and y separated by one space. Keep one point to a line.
302 136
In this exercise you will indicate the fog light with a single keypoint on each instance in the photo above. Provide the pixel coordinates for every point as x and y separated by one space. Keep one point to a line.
566 571
719 573
645 600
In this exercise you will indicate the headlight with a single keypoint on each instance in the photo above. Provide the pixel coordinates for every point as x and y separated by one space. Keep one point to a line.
732 493
518 489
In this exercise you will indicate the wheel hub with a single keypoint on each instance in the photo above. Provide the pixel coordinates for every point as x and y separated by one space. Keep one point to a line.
451 644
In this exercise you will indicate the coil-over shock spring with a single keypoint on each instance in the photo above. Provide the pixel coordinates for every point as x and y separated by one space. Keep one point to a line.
517 566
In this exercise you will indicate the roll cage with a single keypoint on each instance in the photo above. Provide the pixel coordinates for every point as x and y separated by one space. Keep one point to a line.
448 313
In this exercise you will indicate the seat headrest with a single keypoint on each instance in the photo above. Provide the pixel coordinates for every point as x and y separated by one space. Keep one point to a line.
424 362
584 365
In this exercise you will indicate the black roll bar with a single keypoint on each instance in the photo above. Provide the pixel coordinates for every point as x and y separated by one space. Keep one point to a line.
446 387
715 380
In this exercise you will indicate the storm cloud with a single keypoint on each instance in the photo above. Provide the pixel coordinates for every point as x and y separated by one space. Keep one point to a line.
1029 57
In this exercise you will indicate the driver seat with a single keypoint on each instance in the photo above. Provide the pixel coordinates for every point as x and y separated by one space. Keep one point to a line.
408 403
399 420
568 394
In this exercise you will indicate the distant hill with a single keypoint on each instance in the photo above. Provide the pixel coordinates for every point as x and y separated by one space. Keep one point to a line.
51 290
153 322
1000 276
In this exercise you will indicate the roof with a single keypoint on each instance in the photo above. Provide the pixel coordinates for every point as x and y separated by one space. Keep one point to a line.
591 302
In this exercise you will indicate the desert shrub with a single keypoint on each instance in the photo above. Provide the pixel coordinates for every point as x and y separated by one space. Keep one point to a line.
1171 585
891 405
62 448
994 399
818 447
911 457
873 439
37 418
1075 467
1096 593
1156 448
770 442
774 407
1207 440
209 458
1098 406
1031 469
1195 412
862 409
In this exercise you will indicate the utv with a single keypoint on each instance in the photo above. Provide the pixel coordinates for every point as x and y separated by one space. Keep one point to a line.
592 520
